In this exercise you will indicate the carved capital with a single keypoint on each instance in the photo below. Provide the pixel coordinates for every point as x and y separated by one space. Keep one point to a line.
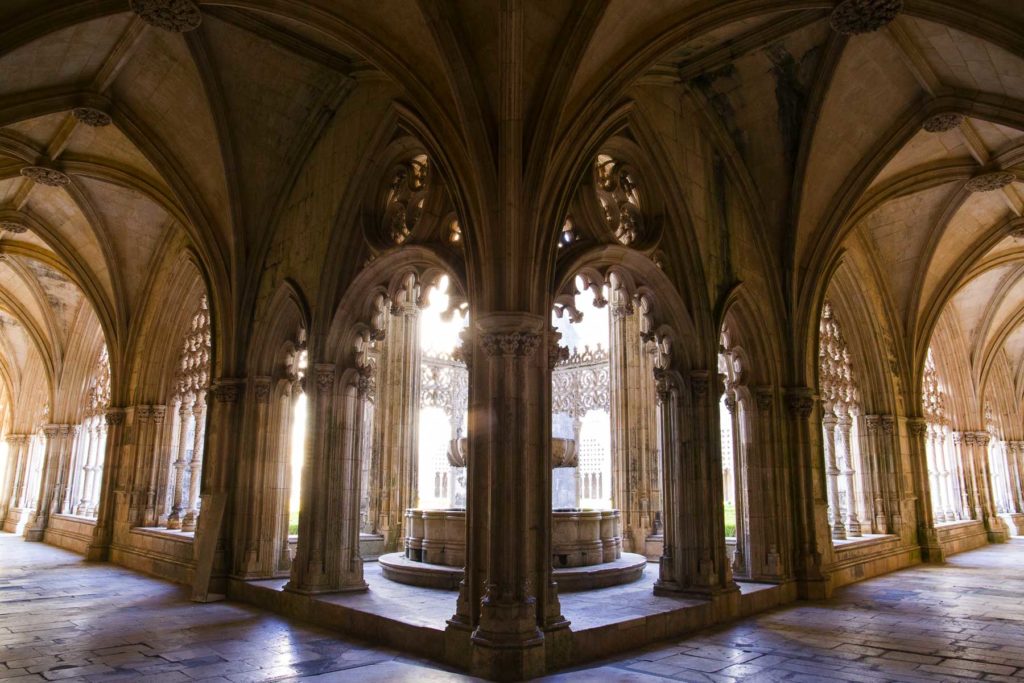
324 377
521 344
114 416
50 431
158 413
556 352
225 390
799 402
143 413
871 422
958 437
662 385
364 382
261 389
699 381
764 397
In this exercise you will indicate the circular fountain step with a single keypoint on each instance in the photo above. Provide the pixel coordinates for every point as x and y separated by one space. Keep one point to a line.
627 568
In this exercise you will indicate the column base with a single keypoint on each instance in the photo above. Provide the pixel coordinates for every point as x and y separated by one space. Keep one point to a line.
34 535
507 660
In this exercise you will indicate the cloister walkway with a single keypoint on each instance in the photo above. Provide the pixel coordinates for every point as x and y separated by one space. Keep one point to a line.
64 619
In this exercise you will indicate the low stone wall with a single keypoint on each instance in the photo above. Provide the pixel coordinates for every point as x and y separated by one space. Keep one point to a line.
17 519
960 536
868 557
70 532
165 554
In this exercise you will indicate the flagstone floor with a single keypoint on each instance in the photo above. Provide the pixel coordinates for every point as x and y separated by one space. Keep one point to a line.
64 619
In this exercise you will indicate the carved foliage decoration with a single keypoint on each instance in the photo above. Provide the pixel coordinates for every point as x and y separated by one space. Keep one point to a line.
170 15
98 394
43 175
91 117
933 396
12 227
835 380
940 123
618 192
405 198
851 17
194 359
989 182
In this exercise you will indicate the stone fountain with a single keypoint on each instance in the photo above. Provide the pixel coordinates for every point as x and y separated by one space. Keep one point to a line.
586 545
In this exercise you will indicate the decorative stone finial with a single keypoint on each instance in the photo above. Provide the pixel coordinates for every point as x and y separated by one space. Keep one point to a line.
852 17
91 116
989 182
178 16
45 176
12 227
940 123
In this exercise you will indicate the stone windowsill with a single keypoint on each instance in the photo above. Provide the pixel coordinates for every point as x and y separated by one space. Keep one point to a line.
76 518
162 532
861 541
957 523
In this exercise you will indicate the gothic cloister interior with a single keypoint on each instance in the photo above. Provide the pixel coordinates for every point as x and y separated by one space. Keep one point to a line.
512 334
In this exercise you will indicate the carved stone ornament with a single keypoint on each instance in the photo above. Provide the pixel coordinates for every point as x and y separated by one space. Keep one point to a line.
91 116
45 176
800 403
989 182
12 227
852 17
940 123
510 343
178 16
618 192
406 196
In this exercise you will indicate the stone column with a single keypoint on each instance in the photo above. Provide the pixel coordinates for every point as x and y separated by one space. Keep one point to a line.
195 463
98 465
739 483
874 455
937 482
55 436
634 426
768 502
90 447
260 494
325 560
509 500
157 461
14 478
961 474
812 525
828 424
113 485
695 550
843 445
396 480
184 410
74 477
1015 464
931 551
994 524
950 476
